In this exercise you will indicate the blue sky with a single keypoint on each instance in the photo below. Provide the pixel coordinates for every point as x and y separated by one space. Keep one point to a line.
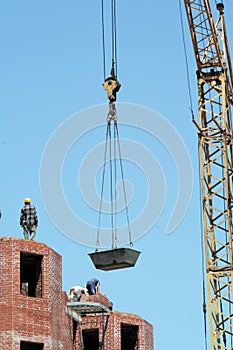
51 69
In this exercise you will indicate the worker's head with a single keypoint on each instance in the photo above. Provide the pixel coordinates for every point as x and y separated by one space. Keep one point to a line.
27 200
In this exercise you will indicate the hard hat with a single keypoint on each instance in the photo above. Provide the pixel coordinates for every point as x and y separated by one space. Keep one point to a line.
27 200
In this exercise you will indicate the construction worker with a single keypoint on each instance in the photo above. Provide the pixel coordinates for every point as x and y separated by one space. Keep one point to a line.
93 286
28 219
76 292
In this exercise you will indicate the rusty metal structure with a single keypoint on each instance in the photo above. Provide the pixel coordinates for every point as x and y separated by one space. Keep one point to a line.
214 125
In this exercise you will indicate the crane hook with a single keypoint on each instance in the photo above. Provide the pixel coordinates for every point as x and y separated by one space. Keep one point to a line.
112 86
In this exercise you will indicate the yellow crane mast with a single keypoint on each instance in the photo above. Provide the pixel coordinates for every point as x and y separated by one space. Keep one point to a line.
214 125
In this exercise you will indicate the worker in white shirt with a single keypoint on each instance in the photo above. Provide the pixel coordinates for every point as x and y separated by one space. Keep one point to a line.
76 292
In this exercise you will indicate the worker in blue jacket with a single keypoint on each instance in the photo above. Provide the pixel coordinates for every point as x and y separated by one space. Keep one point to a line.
93 286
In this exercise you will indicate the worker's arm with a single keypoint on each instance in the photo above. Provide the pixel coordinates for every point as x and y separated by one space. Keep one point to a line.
35 217
21 218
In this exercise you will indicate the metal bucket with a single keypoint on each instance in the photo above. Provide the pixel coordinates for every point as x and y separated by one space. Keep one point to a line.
118 258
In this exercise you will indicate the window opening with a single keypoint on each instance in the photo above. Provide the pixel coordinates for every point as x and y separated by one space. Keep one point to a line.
90 339
24 345
31 274
129 337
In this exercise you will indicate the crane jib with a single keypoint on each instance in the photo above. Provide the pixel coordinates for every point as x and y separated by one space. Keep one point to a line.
215 97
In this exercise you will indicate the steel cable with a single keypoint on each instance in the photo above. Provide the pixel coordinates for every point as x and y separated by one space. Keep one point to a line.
186 60
103 39
102 187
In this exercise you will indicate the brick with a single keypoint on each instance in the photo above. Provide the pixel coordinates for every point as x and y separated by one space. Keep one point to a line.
44 319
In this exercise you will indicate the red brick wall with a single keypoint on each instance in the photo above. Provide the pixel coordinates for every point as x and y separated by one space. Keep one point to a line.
112 325
29 318
45 320
97 298
67 326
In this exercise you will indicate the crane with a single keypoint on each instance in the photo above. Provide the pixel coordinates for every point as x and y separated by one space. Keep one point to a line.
214 126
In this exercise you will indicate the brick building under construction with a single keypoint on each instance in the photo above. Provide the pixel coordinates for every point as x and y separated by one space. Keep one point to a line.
45 319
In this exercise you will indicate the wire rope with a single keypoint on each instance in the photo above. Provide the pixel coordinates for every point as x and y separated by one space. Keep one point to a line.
102 188
115 192
186 60
113 148
111 182
113 39
103 39
123 184
114 33
112 143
